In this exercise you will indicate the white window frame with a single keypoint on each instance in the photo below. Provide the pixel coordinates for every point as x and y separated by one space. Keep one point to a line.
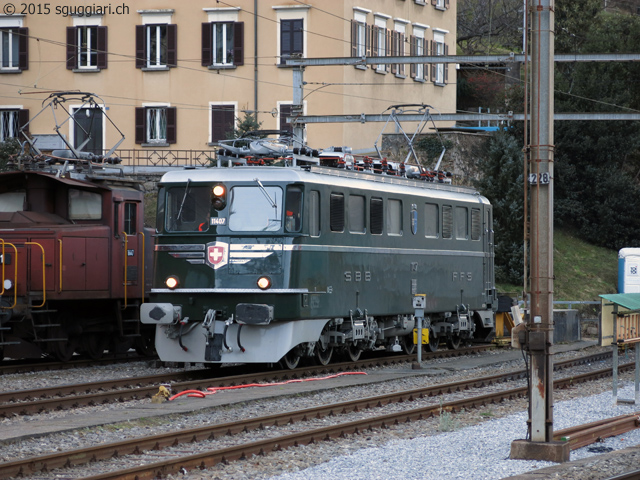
380 21
72 130
224 61
224 104
92 60
438 40
8 35
9 127
288 12
153 35
419 32
400 26
153 121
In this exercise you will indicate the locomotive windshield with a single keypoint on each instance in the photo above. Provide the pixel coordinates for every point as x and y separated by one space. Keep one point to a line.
255 209
188 208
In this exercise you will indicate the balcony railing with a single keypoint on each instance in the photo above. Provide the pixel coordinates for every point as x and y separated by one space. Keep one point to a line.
166 158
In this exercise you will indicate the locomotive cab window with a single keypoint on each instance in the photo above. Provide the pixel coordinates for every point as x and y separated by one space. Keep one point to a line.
255 208
12 201
84 205
188 208
394 217
130 216
293 209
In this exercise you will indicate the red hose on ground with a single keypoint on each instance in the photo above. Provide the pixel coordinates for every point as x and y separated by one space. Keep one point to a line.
212 390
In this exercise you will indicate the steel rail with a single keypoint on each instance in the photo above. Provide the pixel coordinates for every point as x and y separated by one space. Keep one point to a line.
582 435
135 446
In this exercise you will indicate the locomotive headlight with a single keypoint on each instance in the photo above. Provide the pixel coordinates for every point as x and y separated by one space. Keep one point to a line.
8 284
219 200
172 282
264 283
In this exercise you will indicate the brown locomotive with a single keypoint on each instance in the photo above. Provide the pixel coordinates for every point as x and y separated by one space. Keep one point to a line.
75 261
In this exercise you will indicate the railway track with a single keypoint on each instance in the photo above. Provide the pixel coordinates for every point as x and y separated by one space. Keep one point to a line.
149 467
27 402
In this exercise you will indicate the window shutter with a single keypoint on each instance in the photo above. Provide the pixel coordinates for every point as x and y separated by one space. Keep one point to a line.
172 45
141 50
387 47
368 39
102 47
433 65
434 2
412 52
354 38
425 50
446 65
394 49
140 125
446 4
374 42
23 119
23 48
72 48
171 125
298 36
285 111
207 44
238 43
222 121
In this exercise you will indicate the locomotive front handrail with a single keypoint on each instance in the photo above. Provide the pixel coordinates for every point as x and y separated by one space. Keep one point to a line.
15 275
60 263
142 266
44 287
124 234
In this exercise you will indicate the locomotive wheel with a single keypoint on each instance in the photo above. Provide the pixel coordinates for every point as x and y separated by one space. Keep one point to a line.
291 359
64 349
95 345
353 352
323 356
408 346
434 341
146 344
453 342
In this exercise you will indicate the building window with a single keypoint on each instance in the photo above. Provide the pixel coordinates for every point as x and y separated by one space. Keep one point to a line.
14 51
439 71
381 42
11 121
418 46
156 46
156 125
397 50
86 48
223 121
440 4
222 44
359 38
291 38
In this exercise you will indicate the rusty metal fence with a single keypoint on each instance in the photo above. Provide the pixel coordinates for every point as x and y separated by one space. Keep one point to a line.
166 158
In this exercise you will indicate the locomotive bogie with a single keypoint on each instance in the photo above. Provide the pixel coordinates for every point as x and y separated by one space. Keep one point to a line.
283 263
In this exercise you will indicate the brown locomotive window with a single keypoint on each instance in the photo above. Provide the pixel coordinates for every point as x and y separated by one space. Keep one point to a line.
12 201
130 212
84 205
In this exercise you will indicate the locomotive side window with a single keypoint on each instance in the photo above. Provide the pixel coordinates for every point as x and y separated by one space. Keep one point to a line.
84 205
255 209
462 223
336 212
447 221
476 224
130 214
431 220
376 216
188 208
314 213
12 201
356 214
394 217
293 209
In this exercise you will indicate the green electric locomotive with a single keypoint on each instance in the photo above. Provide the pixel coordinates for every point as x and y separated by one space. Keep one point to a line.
259 264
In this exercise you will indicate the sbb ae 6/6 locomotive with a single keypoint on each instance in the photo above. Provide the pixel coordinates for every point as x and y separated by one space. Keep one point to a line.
258 264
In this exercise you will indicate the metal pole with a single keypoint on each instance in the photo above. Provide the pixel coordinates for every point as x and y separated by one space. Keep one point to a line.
297 108
541 182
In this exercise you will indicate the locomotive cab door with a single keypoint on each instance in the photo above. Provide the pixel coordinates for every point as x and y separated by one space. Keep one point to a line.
126 218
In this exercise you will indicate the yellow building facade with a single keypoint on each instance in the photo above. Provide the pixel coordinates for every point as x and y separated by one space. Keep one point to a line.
179 75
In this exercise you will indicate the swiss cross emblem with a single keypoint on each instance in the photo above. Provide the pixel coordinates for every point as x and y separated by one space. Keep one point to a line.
217 254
